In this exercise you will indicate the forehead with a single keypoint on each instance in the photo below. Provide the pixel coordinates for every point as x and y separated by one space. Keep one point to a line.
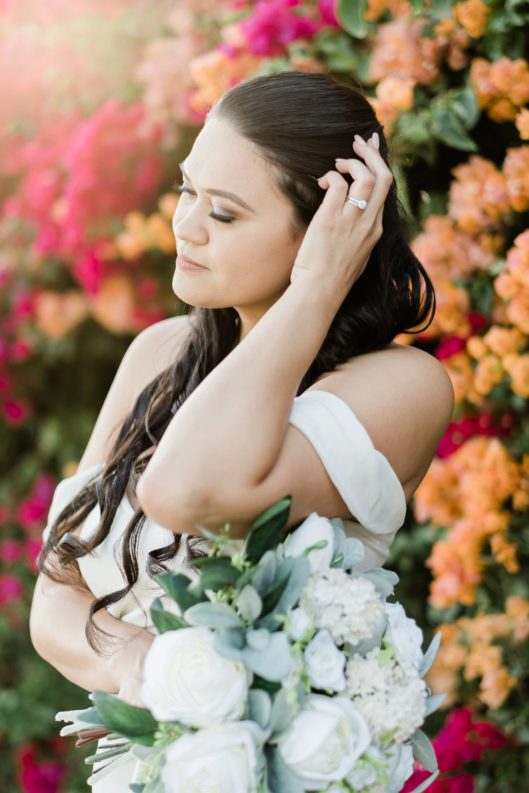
222 159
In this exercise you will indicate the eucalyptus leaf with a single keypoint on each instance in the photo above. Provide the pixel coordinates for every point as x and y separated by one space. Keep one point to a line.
258 639
423 751
136 787
213 615
264 575
265 531
163 620
248 603
126 720
272 663
259 706
426 783
282 713
430 654
433 702
296 570
384 581
179 588
216 572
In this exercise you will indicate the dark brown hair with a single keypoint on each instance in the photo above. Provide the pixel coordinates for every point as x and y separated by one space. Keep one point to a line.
300 123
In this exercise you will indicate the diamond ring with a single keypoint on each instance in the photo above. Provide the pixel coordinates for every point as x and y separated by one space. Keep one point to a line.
358 202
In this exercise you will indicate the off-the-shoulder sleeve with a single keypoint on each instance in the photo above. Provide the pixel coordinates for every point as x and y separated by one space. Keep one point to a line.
362 475
65 491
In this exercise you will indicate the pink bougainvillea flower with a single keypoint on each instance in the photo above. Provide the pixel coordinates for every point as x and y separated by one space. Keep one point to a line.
327 11
33 510
273 25
10 551
32 550
11 588
15 412
38 777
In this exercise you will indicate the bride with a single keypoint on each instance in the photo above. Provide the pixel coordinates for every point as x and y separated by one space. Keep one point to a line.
282 377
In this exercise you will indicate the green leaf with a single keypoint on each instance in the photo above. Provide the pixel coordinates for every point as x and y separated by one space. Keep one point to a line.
216 572
463 103
423 751
213 615
163 620
248 603
259 706
131 722
179 589
350 15
427 782
446 126
266 530
429 655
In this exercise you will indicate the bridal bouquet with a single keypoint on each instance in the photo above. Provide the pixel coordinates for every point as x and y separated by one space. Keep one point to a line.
280 669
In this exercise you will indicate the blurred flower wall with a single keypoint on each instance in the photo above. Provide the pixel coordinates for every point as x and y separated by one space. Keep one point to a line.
100 98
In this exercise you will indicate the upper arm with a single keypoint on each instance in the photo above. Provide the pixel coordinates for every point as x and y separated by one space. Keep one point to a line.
152 351
405 403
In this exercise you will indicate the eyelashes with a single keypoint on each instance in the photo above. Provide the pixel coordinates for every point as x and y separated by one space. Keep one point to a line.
181 189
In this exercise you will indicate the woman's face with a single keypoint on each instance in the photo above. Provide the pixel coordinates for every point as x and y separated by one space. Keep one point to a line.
247 251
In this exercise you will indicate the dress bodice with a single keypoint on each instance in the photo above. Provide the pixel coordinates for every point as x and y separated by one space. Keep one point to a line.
362 475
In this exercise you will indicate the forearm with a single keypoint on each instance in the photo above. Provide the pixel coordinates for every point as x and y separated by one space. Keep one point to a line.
57 626
228 434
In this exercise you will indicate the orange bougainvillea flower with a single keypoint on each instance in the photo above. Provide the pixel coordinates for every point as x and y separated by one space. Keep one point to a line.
461 372
57 313
522 123
447 252
501 87
113 306
478 198
400 50
375 8
518 368
504 340
451 316
393 95
472 15
215 72
516 170
512 284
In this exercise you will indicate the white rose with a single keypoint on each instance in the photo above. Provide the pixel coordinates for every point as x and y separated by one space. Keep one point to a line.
300 622
187 680
324 740
224 759
405 636
313 530
325 662
401 767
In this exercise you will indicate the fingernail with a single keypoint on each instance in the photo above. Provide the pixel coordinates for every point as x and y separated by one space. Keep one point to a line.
360 140
376 140
339 160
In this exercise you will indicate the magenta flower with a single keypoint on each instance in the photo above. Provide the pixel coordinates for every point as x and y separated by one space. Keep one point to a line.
10 551
327 10
273 25
10 589
36 777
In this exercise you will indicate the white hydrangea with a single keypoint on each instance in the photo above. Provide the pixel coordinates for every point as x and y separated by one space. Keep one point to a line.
350 608
391 698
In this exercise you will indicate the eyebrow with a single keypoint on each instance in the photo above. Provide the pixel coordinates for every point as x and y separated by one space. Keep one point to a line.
221 193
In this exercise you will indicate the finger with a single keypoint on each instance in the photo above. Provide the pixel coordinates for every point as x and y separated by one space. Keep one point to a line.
375 163
363 181
336 188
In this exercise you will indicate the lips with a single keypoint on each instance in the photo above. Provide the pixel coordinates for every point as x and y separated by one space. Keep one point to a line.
187 260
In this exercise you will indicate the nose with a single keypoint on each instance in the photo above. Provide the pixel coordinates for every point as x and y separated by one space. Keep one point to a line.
188 225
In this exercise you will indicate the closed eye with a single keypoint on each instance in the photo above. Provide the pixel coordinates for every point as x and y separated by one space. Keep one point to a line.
181 188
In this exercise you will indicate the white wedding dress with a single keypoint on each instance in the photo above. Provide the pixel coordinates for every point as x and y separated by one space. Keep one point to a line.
361 474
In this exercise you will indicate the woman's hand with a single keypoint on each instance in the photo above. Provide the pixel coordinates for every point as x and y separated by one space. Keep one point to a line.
340 237
127 665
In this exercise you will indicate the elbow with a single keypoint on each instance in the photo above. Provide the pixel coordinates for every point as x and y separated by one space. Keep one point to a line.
178 507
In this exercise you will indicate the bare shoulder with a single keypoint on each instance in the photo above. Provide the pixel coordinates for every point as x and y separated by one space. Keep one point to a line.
158 344
404 398
151 352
